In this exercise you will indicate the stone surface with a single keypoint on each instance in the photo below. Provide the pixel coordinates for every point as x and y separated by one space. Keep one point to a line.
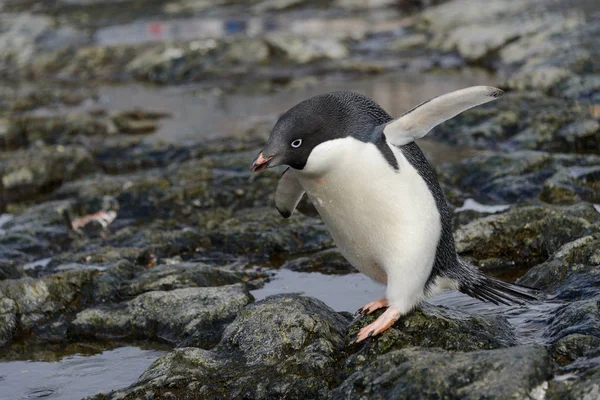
170 316
413 372
524 236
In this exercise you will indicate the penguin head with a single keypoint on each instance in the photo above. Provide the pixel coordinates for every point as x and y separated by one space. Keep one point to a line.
305 137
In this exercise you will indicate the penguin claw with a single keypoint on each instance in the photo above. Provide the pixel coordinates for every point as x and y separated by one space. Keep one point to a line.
373 306
381 324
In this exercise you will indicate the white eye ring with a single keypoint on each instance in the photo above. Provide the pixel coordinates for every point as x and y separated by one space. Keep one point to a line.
297 143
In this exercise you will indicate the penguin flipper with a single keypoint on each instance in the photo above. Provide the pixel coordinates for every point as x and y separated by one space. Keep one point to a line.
416 123
288 194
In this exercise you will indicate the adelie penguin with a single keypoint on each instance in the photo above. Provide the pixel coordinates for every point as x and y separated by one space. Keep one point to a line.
378 195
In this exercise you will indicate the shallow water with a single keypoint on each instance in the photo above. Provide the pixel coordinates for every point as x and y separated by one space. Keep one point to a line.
351 292
75 376
197 113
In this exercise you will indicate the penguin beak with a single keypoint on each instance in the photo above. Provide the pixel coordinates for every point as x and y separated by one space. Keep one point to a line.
260 162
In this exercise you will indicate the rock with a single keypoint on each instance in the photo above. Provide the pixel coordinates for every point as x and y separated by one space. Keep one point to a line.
571 272
282 346
515 372
523 175
277 5
302 50
328 262
165 315
583 382
262 232
8 321
23 35
29 173
137 121
9 270
37 303
578 317
38 232
524 236
525 120
181 275
436 327
35 130
574 346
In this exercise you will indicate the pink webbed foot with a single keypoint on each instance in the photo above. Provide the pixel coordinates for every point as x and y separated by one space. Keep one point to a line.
381 324
373 306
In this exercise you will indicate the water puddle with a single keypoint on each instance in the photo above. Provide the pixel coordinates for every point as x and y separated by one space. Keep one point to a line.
352 291
76 376
197 113
340 292
472 205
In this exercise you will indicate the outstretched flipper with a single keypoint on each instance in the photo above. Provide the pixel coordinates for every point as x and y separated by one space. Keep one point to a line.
416 123
288 194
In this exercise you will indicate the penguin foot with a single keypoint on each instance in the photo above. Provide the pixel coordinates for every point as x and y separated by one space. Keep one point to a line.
372 306
381 324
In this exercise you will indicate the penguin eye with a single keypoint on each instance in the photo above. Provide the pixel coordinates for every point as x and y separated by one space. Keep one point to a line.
297 143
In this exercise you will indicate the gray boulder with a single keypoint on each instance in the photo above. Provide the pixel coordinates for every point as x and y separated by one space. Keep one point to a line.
170 316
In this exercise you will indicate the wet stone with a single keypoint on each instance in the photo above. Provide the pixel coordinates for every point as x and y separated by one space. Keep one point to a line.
181 275
262 233
416 373
578 317
329 261
169 316
525 120
41 301
572 272
524 175
524 236
283 345
28 173
436 327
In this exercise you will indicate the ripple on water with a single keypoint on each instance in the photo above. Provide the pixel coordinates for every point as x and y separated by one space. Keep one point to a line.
74 377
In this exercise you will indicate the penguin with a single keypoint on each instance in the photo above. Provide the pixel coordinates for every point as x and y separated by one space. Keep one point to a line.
379 197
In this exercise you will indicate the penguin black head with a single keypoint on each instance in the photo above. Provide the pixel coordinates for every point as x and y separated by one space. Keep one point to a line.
316 121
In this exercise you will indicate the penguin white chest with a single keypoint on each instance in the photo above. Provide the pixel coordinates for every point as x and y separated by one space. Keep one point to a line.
381 219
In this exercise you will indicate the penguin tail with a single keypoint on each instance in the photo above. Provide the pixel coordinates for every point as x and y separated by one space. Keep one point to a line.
493 290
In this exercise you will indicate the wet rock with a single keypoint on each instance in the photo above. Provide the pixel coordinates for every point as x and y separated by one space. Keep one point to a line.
574 346
182 275
23 35
416 373
571 272
9 270
165 315
262 232
569 186
579 317
436 327
580 381
38 302
49 130
525 120
38 232
282 346
328 262
27 173
137 121
303 50
8 320
559 61
524 236
523 175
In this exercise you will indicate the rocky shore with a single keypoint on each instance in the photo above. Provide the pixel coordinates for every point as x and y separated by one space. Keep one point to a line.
108 234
